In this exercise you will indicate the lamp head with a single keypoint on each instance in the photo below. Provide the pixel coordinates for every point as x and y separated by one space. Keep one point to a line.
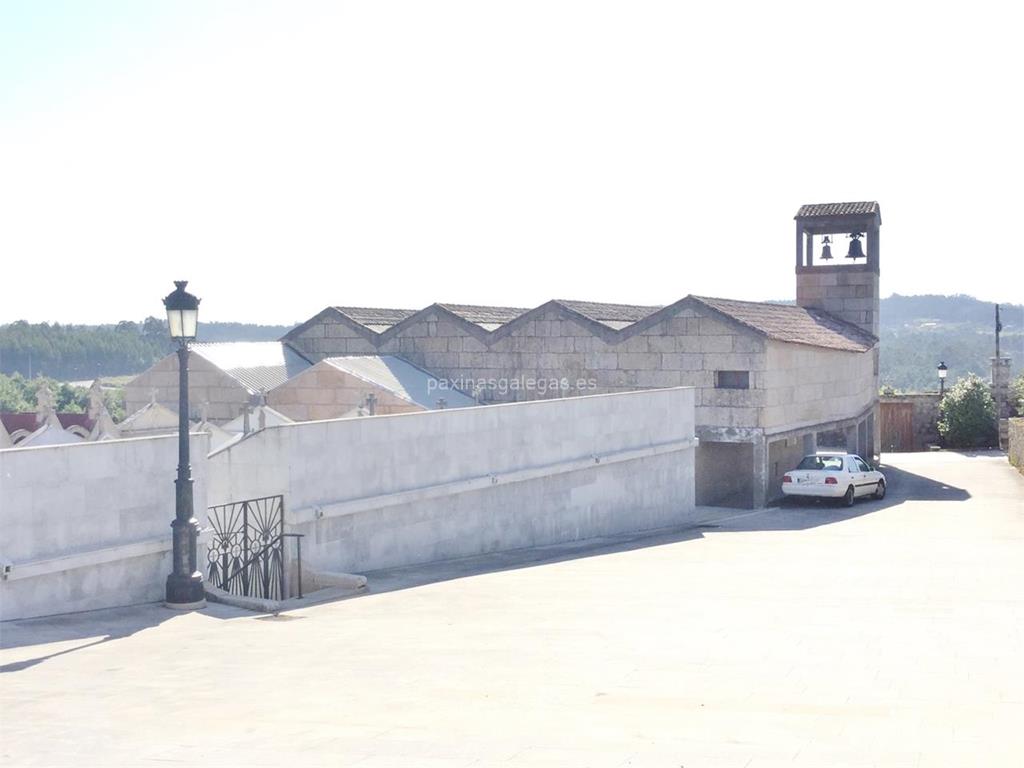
182 313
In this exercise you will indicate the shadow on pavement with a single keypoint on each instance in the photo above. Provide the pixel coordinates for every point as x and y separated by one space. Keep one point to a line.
901 485
793 514
92 627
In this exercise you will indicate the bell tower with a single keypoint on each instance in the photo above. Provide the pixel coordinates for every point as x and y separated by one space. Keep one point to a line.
843 284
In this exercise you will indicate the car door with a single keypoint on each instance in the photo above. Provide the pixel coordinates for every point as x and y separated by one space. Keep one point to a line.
866 480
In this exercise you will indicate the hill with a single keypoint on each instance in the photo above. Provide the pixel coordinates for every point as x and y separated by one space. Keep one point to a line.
919 332
70 352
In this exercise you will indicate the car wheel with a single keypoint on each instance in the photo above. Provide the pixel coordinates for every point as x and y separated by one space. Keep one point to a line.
848 497
880 491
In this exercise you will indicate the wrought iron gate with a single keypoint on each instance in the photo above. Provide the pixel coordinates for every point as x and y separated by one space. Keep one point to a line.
245 555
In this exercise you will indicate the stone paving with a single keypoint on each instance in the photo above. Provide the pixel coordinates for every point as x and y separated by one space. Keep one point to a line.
887 635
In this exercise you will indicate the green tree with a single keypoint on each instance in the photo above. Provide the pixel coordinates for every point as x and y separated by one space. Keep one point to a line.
13 394
1017 394
18 394
967 414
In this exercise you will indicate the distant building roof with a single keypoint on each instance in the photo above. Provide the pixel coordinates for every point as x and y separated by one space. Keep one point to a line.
785 322
271 418
402 379
838 209
256 365
29 422
49 434
150 418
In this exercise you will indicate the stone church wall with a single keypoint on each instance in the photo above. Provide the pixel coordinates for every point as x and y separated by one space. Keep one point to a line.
555 348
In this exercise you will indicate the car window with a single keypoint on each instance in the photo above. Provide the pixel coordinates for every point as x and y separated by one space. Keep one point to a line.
810 462
827 463
863 465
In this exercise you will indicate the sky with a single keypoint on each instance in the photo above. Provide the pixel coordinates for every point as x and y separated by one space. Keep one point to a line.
287 156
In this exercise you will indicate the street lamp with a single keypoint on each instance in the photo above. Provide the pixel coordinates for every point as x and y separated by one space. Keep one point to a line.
943 370
185 584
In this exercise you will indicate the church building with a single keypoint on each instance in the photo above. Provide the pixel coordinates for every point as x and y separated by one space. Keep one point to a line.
774 381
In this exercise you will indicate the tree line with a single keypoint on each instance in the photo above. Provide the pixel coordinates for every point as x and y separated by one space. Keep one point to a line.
82 352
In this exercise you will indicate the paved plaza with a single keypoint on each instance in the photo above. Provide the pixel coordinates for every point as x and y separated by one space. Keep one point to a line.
890 634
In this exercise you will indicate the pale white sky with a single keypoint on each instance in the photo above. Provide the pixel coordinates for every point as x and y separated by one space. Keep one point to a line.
284 156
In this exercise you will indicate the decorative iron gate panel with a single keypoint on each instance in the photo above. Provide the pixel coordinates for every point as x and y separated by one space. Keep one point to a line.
246 553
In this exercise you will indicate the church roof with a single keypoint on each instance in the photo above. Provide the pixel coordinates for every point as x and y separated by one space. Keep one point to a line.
256 365
782 322
488 318
796 325
376 318
864 208
616 316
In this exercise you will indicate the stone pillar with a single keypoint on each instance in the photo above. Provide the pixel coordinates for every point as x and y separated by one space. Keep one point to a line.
1001 385
760 472
810 443
1001 394
851 438
874 436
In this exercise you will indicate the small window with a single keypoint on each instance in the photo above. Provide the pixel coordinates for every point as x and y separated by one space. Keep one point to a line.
732 379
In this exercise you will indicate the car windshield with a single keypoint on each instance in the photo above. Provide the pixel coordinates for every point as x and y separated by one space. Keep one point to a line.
828 463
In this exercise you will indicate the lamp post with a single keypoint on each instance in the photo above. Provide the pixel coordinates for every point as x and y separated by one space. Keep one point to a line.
185 583
943 370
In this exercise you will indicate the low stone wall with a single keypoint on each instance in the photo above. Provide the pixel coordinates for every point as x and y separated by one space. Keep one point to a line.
87 525
1016 443
386 491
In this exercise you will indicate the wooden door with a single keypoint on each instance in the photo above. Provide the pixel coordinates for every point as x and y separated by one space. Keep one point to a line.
898 427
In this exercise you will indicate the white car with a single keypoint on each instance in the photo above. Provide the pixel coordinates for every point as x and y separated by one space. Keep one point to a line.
834 476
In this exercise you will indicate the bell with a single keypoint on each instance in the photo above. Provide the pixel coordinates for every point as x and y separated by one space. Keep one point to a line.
856 252
826 249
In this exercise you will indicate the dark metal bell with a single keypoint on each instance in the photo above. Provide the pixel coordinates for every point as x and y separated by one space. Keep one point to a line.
856 251
826 249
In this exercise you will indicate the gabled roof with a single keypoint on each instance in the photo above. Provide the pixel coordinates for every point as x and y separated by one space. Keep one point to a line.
792 324
256 365
863 208
51 433
488 318
375 318
616 322
150 417
30 421
615 316
271 418
402 379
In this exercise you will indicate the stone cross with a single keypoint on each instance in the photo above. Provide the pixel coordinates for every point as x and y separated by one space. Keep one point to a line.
371 403
46 404
95 400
